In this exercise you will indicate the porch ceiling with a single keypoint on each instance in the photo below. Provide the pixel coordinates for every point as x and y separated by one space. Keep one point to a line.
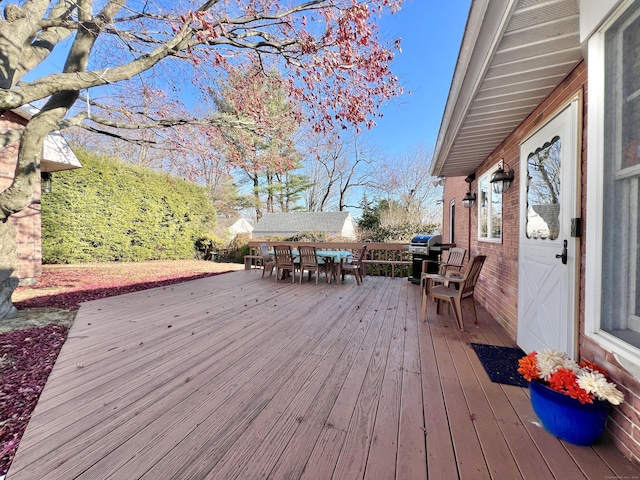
513 54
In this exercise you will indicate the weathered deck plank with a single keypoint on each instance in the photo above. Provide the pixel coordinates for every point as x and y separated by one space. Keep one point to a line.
235 376
411 453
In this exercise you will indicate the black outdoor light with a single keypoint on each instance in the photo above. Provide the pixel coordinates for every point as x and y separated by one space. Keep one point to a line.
45 181
502 179
469 198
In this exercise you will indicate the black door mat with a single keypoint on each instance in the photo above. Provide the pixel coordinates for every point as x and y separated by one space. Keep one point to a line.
501 363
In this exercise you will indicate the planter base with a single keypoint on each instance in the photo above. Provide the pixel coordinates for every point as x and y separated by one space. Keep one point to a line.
566 417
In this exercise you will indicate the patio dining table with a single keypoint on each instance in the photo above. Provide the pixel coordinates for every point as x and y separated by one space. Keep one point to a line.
334 257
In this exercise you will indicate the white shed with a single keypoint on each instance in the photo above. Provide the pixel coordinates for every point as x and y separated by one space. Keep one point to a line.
333 224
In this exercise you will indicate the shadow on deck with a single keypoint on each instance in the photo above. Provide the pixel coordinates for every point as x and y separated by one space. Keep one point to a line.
235 376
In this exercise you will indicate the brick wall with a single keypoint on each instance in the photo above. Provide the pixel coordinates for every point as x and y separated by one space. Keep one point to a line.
26 222
497 289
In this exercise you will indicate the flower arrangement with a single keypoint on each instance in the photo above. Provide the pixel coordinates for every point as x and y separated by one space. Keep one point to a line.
584 381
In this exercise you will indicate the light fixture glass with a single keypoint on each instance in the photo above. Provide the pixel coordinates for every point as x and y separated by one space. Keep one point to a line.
469 199
439 182
45 182
501 180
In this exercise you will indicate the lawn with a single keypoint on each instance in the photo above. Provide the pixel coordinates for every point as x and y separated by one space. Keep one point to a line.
30 343
66 286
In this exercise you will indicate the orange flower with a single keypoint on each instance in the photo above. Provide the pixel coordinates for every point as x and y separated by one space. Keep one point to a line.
529 367
565 381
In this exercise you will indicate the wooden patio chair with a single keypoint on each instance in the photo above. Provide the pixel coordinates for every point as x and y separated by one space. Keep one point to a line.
454 262
268 261
349 266
450 268
309 261
360 254
466 286
284 261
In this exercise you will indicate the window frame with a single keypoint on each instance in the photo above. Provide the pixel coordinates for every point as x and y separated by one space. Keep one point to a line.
486 177
627 354
452 221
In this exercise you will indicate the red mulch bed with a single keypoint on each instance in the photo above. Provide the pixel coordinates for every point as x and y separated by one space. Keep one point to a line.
26 359
71 300
27 356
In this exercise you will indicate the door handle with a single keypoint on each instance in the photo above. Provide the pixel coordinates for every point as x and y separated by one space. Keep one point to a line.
563 255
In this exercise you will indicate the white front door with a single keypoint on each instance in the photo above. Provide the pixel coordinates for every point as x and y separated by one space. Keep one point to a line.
548 206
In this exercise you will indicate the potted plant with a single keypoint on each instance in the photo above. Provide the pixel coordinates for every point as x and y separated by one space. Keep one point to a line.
572 400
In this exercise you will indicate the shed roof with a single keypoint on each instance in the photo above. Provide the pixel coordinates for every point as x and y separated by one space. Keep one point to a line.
302 222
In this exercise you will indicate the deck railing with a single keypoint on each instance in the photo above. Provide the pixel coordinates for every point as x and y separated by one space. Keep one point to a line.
382 259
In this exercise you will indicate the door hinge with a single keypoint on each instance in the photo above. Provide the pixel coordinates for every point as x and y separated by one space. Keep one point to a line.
576 227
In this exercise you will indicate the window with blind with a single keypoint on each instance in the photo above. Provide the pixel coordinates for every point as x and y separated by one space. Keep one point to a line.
620 305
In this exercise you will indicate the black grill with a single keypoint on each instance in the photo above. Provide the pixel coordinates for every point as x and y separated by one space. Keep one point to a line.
424 247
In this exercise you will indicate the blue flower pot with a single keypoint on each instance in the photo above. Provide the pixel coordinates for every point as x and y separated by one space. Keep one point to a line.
567 418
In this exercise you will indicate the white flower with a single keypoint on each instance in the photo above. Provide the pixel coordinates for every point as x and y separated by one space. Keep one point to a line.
597 384
570 364
550 361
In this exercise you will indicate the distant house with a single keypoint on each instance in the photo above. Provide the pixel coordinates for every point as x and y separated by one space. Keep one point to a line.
56 156
240 226
333 224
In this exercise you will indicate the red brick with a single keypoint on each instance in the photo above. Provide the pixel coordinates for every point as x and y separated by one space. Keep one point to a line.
26 222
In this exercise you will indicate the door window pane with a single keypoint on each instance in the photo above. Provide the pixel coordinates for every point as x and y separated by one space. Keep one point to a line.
543 191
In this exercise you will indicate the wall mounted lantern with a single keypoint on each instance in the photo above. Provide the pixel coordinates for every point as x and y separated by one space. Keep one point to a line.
469 198
439 182
45 182
501 179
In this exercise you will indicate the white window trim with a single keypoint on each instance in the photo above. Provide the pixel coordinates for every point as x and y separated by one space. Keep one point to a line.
626 354
488 238
452 219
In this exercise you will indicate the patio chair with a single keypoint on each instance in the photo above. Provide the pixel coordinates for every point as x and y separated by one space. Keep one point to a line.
360 254
452 264
309 261
451 267
466 286
268 262
349 266
284 261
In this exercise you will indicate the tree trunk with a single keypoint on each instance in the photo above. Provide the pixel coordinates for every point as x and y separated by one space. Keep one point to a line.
12 200
8 262
19 194
256 195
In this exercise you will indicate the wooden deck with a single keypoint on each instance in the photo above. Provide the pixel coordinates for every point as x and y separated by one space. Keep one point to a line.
235 376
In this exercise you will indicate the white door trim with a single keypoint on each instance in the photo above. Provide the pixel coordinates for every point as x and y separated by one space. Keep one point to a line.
568 120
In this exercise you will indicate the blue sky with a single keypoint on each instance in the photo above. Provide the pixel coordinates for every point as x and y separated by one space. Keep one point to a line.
431 33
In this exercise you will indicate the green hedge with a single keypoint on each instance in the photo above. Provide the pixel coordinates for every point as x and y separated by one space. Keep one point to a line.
110 210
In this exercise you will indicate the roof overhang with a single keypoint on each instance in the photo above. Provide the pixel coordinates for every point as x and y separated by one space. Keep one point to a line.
513 54
56 152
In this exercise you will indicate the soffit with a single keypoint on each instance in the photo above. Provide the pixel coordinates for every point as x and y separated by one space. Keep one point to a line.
513 54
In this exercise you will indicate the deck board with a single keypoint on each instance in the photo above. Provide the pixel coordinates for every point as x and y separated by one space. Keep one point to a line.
239 377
